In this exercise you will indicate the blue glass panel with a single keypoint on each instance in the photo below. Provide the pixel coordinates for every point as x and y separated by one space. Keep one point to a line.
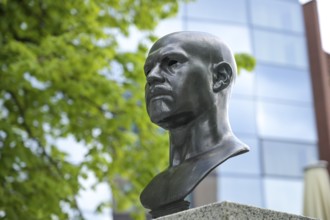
284 195
248 163
240 190
283 83
280 48
283 15
236 36
287 159
242 116
234 10
283 121
245 84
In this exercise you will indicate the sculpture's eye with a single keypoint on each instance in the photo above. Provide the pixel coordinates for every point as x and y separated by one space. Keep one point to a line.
172 64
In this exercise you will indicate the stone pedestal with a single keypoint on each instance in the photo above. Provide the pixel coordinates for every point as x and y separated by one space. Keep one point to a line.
231 211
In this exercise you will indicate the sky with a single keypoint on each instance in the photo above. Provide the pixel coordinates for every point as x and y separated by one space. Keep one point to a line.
324 19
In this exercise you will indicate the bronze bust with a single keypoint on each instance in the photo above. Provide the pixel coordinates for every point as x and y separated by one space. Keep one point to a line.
189 78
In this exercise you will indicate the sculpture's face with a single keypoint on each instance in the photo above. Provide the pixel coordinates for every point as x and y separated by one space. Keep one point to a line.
179 83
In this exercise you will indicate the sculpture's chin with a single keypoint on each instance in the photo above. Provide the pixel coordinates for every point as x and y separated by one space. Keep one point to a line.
162 113
158 109
176 120
159 119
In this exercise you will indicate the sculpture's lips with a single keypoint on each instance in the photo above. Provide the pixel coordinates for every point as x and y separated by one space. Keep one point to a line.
158 93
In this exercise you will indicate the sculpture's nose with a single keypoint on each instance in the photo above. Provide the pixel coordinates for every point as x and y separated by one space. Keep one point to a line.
155 76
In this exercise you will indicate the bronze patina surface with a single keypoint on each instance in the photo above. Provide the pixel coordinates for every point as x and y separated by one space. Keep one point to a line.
189 78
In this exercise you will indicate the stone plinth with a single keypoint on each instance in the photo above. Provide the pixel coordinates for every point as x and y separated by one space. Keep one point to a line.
231 211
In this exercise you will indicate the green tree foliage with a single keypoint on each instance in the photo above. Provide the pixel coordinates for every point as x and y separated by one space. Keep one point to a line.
245 61
57 62
56 80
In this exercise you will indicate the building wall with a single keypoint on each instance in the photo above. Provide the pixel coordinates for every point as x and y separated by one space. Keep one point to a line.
271 109
320 74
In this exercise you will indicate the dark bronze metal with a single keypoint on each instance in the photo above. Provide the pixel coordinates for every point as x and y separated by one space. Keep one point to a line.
189 78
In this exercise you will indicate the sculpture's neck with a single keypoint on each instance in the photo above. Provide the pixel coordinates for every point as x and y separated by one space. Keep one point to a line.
201 135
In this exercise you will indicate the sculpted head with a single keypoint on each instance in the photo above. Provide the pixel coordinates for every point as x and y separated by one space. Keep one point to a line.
188 73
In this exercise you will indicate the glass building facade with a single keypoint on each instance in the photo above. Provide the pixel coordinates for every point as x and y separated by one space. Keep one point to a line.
271 109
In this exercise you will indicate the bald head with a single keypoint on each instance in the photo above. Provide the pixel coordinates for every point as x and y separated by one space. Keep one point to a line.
206 46
187 73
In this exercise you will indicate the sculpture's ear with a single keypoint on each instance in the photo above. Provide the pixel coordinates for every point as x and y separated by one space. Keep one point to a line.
222 75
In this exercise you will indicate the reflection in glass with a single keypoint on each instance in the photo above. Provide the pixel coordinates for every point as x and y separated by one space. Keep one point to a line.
292 122
218 10
236 36
287 159
240 190
281 49
248 163
242 116
284 15
283 83
284 195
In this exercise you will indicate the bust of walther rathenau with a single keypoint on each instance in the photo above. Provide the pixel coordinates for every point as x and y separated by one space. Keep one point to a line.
189 78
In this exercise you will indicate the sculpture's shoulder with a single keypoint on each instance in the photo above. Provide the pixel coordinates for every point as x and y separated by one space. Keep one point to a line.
170 185
232 146
176 182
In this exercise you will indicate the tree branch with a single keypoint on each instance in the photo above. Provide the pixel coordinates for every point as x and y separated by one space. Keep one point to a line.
98 107
44 153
